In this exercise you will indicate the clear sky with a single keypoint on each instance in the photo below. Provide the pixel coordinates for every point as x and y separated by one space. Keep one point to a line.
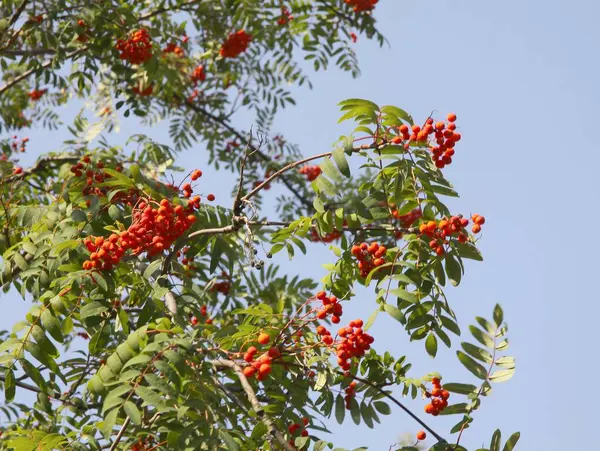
522 77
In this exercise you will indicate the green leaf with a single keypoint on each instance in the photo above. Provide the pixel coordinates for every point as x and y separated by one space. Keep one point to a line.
382 407
371 319
496 440
321 381
505 362
482 337
462 389
502 375
498 315
431 344
477 369
92 309
512 441
9 385
477 352
340 409
132 412
230 443
52 325
341 162
453 270
394 313
152 268
468 250
109 423
455 409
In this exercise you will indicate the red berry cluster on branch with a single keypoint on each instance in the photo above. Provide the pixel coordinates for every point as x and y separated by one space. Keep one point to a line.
327 238
409 218
36 94
353 344
331 307
173 48
478 222
222 286
154 229
137 48
235 44
361 5
350 390
439 398
143 444
311 172
285 17
294 427
369 256
143 92
198 74
444 229
20 146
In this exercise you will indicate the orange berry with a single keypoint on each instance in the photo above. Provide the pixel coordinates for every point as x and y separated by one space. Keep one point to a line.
476 228
210 197
263 338
421 435
248 371
451 117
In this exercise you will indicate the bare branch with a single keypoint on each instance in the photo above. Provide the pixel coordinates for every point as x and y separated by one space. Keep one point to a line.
254 401
120 434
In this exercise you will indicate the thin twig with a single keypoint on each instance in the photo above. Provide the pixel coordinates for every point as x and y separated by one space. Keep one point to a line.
120 434
258 408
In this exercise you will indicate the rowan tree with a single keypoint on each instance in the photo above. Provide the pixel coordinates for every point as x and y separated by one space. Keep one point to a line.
194 338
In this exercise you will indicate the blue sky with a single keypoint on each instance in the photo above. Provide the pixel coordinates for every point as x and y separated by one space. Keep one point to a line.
522 78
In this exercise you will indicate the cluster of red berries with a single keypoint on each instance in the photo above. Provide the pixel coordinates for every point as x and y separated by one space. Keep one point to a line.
260 367
82 35
361 5
203 312
223 286
445 136
354 343
83 335
350 391
21 146
331 306
285 17
137 48
442 230
409 218
153 230
439 398
369 256
143 444
173 48
311 172
235 44
292 428
198 74
186 261
95 175
327 238
143 92
36 94
478 222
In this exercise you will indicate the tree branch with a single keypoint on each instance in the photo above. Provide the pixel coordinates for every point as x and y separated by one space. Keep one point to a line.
120 434
41 164
254 401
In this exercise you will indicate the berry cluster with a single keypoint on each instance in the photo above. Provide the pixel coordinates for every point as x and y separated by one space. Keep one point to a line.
143 92
82 28
439 398
143 444
445 136
186 261
203 312
20 146
311 172
222 287
327 238
198 74
137 48
153 230
478 222
292 428
361 5
331 306
94 175
285 17
260 367
442 230
350 390
354 343
369 256
173 48
409 218
36 94
235 44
